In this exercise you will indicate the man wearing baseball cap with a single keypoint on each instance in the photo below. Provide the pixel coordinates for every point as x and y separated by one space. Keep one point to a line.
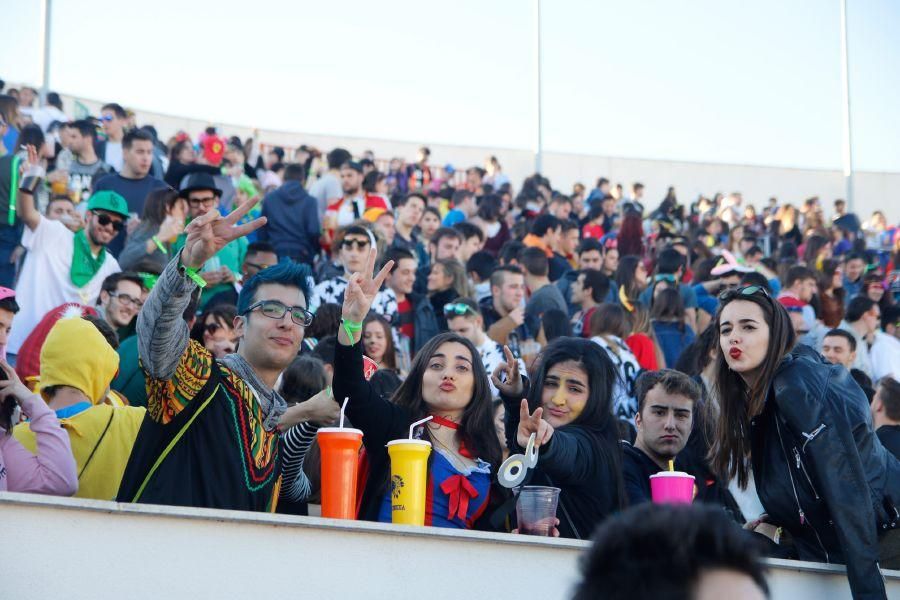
62 266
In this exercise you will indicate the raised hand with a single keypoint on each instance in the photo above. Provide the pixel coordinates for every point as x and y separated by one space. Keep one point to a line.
506 376
210 233
362 288
532 423
12 386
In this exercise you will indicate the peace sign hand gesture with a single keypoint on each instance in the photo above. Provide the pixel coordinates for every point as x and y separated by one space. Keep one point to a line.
532 423
362 288
506 376
210 233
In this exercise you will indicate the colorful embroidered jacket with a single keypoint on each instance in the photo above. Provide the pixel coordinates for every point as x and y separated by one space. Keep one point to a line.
202 442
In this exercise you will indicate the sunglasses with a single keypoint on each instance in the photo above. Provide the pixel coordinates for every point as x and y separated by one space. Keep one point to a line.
358 244
749 290
276 310
208 201
458 309
256 266
104 219
106 118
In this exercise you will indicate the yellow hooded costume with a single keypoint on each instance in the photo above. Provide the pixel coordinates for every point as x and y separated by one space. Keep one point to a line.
75 354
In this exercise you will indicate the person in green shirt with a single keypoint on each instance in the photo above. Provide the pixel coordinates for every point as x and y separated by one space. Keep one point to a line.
222 270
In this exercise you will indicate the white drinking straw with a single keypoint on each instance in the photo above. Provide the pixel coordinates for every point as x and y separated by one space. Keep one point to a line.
417 423
343 408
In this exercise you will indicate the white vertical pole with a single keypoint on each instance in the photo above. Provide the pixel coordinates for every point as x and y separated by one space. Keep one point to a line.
45 56
847 141
538 159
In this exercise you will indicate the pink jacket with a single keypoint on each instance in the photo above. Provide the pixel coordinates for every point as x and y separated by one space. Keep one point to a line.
53 470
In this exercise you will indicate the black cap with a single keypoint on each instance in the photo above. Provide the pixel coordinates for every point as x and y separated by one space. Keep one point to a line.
352 164
199 181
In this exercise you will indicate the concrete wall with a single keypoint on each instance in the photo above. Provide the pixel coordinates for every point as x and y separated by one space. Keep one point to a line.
92 550
757 183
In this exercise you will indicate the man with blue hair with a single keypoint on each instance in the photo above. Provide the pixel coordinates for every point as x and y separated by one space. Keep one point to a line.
210 437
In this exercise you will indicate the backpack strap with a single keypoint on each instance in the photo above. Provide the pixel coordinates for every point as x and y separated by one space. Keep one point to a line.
174 441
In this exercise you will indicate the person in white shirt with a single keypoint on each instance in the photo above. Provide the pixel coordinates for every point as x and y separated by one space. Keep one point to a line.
62 266
464 318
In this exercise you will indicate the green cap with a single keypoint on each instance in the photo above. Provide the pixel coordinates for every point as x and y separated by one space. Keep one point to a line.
109 201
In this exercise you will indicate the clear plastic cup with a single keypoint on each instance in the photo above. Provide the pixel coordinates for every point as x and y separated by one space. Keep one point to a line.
672 487
536 510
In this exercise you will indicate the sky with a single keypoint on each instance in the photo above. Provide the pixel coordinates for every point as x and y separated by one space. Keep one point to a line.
699 80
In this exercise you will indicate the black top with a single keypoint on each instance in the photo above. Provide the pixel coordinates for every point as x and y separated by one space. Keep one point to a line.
889 435
577 461
637 468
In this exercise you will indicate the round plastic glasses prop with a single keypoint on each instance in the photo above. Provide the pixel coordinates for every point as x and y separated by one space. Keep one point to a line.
515 468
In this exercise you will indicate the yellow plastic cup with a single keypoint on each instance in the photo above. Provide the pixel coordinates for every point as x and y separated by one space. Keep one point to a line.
409 480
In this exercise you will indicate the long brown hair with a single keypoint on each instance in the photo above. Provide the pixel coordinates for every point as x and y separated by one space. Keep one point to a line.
389 360
476 427
730 449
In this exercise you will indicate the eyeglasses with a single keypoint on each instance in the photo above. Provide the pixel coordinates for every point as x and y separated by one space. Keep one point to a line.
126 299
106 118
744 291
359 244
208 201
458 309
275 310
104 219
256 266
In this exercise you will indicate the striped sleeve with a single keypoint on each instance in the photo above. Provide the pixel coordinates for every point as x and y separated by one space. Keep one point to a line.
295 443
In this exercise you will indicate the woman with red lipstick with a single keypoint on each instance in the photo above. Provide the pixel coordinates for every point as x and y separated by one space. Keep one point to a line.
447 381
569 407
797 431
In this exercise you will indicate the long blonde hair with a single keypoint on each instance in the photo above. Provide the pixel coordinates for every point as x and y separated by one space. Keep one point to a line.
457 271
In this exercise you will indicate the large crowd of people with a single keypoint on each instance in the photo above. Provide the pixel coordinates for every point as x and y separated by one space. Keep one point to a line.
179 317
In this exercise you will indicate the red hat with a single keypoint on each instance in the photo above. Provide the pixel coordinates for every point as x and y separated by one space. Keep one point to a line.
28 361
213 149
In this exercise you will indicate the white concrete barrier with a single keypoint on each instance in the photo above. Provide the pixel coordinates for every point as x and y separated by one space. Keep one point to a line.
92 550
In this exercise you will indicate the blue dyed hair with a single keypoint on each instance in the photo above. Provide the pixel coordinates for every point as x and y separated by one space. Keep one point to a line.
286 273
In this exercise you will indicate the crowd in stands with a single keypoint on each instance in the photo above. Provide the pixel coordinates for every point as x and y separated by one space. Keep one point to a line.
179 317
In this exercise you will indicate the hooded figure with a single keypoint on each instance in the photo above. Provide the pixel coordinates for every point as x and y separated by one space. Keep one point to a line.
77 366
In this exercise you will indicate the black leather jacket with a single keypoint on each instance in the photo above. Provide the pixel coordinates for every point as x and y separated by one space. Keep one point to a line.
821 472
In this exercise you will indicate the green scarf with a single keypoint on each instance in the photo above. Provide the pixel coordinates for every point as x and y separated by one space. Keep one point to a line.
84 265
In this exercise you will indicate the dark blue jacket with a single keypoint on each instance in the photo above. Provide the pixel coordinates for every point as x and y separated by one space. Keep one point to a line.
293 226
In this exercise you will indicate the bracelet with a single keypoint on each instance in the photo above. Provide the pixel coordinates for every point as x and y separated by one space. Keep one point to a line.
191 273
351 327
159 245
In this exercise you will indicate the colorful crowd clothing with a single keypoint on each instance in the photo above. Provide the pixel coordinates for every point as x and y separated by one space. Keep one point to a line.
210 436
46 277
101 437
47 466
382 421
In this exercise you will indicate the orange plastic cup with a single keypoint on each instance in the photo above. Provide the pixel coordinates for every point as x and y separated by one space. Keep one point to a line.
340 463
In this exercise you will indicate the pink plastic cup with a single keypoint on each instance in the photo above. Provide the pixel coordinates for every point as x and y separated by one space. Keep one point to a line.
672 487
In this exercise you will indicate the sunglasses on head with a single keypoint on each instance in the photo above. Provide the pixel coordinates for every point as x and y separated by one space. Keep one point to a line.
104 219
359 244
748 290
457 309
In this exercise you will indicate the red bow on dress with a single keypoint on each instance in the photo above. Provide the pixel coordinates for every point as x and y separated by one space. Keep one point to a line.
460 491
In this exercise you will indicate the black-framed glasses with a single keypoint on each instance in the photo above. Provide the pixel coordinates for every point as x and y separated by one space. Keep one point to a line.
126 299
359 244
748 290
275 310
207 201
458 309
104 219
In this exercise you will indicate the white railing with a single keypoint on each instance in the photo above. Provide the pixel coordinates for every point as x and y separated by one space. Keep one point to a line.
86 549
